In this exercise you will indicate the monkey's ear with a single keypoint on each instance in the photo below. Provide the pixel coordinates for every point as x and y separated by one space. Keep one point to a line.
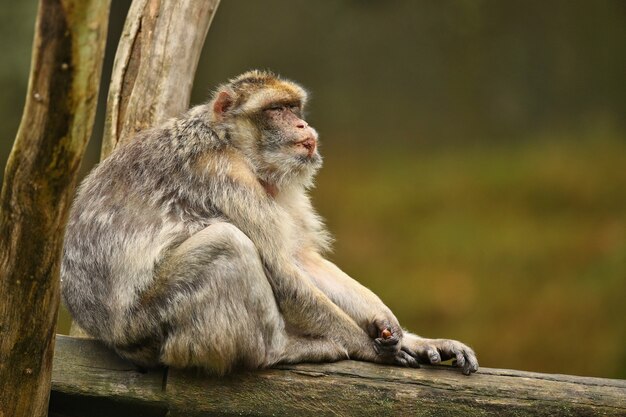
222 103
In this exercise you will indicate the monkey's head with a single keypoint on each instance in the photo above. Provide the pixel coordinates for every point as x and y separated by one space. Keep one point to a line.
261 114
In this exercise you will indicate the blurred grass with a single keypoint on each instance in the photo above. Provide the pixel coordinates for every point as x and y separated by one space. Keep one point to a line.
518 250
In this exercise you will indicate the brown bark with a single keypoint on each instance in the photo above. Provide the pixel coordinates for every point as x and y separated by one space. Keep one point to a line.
39 180
155 65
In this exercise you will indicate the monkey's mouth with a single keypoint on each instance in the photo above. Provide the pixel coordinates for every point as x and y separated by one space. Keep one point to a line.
308 144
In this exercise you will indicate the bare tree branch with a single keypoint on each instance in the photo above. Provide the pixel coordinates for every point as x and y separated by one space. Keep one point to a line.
155 65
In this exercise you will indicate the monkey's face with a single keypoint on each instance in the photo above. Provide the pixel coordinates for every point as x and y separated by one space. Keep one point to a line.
266 122
287 145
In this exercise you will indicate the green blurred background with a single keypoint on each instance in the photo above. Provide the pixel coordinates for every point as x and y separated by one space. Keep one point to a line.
475 173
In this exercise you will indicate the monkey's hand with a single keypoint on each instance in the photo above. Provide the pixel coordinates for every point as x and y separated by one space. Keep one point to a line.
435 351
387 336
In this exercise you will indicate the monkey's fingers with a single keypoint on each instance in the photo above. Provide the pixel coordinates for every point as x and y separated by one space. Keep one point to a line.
387 346
427 354
404 359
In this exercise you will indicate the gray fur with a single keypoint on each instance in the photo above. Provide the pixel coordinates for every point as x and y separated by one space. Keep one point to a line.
196 245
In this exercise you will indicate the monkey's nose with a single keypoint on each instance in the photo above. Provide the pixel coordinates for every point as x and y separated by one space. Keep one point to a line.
302 124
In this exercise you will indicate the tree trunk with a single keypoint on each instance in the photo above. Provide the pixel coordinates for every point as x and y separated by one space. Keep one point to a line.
39 180
155 65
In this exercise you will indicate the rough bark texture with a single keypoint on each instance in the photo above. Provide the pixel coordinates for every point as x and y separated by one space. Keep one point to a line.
88 379
38 184
155 65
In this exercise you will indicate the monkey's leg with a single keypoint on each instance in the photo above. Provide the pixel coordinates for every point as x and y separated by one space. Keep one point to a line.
217 309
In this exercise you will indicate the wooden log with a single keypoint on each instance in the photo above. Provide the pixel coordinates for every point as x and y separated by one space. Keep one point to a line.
39 181
88 379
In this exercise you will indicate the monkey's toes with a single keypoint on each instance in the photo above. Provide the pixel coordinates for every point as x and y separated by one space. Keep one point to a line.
436 351
433 356
471 363
464 357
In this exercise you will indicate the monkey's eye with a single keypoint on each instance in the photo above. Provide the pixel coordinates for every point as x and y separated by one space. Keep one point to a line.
276 107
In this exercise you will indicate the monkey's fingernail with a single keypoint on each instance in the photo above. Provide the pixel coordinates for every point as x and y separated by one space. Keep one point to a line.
386 334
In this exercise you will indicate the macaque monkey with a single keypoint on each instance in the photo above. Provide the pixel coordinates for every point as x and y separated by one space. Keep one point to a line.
196 245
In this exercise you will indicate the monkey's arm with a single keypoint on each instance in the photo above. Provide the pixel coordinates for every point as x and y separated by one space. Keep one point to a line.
303 305
360 303
372 314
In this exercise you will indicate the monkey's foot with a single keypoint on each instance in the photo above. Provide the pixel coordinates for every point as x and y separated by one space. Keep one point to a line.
434 351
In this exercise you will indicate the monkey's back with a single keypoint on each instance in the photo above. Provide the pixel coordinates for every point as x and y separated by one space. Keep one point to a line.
127 214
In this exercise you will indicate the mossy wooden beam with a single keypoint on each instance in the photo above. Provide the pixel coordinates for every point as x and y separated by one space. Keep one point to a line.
39 181
88 379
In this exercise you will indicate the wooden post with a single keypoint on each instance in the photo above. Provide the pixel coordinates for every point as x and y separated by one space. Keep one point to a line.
91 380
39 181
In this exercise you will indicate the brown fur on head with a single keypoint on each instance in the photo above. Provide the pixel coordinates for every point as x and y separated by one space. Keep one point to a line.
261 114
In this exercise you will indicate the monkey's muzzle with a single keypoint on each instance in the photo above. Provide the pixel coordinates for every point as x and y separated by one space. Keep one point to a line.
310 144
